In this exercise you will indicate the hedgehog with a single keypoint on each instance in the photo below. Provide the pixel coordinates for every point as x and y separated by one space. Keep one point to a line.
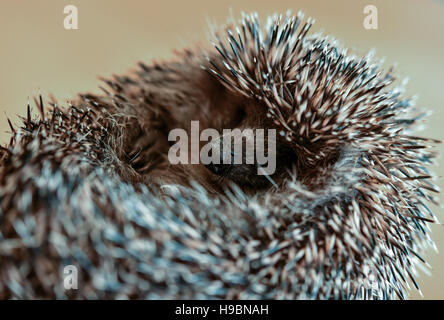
345 215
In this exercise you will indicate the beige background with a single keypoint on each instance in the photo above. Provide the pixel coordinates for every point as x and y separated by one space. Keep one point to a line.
38 55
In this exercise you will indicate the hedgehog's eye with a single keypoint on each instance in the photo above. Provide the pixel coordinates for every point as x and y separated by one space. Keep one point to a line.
238 116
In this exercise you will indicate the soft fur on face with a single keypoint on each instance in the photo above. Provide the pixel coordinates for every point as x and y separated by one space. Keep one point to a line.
174 94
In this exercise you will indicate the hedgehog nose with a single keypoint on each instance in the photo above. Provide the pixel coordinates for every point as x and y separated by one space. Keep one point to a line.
219 169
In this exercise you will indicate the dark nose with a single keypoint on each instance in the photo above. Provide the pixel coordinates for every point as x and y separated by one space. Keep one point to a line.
219 169
224 166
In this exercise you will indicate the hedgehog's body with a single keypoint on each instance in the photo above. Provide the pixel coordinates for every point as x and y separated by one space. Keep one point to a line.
91 186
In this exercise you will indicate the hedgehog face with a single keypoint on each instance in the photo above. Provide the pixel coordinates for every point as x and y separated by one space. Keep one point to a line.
347 199
221 109
245 118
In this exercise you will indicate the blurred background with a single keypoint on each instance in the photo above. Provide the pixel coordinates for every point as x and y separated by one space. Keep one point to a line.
38 55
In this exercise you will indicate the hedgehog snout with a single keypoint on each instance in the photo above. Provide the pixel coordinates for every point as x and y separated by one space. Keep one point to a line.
219 169
254 158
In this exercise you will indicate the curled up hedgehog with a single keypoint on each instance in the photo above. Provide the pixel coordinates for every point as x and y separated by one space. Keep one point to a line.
344 216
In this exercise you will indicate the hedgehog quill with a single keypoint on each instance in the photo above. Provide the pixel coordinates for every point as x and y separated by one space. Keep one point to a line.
344 216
